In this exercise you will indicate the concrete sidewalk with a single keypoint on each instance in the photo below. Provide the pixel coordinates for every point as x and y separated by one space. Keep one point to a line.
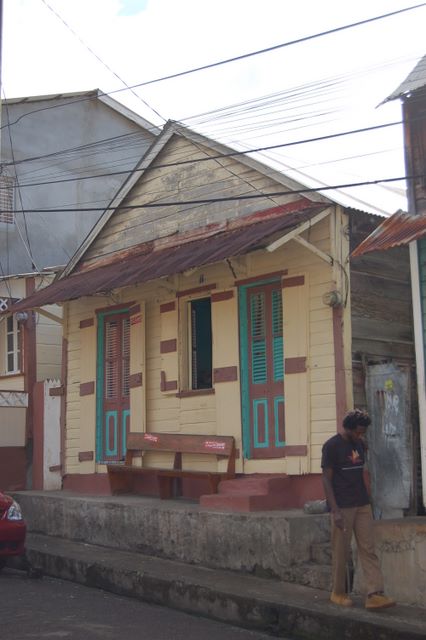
280 608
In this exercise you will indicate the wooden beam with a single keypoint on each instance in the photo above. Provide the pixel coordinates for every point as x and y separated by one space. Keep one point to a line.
295 232
311 247
49 315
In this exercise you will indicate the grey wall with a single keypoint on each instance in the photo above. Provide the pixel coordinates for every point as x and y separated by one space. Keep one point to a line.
37 129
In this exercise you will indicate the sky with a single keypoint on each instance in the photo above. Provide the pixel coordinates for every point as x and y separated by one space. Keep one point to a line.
319 87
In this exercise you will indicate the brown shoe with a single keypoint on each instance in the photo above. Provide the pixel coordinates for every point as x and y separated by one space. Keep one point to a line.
341 599
379 601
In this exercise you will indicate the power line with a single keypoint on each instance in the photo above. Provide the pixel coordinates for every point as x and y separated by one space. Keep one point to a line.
233 59
101 61
27 245
234 198
311 90
219 156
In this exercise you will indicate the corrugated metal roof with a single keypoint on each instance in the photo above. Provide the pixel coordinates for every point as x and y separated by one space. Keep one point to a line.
398 230
415 80
150 263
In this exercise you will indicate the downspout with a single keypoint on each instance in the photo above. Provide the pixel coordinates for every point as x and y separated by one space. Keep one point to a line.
420 358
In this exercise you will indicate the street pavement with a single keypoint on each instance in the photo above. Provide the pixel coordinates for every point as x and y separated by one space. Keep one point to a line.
269 606
48 608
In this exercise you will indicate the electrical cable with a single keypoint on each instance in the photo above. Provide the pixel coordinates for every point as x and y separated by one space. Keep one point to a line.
27 244
281 99
101 61
229 154
238 58
273 194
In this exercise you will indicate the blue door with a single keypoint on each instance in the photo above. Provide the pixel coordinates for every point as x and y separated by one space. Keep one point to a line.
262 370
113 389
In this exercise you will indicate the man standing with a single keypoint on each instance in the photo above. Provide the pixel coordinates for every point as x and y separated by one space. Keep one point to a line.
343 458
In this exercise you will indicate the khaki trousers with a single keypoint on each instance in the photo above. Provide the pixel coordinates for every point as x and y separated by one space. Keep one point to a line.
358 520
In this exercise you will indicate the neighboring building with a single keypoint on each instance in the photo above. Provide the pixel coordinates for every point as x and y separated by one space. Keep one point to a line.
214 298
402 230
49 143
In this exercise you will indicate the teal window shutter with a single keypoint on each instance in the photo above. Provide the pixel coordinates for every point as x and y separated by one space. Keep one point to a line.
277 336
258 345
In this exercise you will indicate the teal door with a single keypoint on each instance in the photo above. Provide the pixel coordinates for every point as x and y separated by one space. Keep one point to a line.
262 370
113 389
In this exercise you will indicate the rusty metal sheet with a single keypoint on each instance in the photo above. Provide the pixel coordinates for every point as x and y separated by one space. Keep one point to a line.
150 263
398 230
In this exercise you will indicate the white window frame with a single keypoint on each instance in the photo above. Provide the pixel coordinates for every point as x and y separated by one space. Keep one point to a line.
12 329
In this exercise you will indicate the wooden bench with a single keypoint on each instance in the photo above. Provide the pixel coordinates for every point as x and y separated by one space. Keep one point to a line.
121 475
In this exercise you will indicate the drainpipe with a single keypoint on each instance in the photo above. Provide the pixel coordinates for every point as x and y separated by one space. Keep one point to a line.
420 358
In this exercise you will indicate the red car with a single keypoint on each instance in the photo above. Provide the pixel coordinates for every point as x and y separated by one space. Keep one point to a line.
12 529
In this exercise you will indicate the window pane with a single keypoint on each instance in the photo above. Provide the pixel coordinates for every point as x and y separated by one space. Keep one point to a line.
10 363
201 343
10 342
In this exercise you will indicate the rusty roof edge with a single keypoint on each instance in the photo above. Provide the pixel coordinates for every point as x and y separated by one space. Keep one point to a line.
70 288
398 230
174 128
177 239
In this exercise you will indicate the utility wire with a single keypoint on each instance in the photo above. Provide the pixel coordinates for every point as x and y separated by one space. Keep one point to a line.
281 99
231 154
236 58
256 196
27 244
101 61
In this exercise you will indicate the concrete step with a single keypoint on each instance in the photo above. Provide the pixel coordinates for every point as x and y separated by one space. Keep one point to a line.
241 502
280 608
253 493
255 484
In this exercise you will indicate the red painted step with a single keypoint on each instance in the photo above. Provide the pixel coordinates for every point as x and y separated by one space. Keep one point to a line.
251 493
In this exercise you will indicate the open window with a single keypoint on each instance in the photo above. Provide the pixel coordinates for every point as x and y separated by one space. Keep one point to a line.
200 342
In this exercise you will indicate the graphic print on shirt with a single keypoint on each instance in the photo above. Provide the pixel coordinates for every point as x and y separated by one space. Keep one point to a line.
355 459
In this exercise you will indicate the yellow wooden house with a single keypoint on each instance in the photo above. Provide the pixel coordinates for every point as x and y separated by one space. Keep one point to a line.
214 297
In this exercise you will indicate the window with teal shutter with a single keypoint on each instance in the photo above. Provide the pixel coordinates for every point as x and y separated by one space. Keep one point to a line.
277 336
258 345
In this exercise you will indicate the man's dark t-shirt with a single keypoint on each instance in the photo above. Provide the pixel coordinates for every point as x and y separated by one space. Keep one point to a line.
347 461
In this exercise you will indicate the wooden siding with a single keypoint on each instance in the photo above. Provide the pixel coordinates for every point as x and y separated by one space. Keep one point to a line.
381 307
49 345
381 302
415 152
217 412
211 179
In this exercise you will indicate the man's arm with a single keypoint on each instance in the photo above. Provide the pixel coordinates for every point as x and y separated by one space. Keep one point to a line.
327 476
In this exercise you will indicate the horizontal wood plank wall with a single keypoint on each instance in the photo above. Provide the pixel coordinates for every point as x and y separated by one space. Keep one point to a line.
295 293
228 178
138 367
225 329
86 437
49 345
169 371
80 419
219 412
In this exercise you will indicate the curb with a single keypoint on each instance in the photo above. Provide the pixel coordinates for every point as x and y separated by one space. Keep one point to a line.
255 603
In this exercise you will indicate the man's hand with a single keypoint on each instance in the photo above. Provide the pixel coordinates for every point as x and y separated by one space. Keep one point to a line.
339 520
